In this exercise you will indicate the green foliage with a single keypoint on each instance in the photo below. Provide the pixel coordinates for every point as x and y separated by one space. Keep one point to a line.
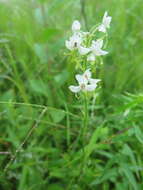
34 80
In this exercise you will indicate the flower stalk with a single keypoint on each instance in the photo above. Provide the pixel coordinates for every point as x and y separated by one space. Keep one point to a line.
85 120
86 52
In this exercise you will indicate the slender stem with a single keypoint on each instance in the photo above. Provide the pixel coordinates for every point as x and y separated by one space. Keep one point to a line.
25 140
38 106
85 121
83 129
84 132
68 127
5 153
82 136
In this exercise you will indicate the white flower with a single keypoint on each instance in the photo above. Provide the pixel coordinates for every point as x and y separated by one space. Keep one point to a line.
96 50
77 39
105 23
87 75
76 26
86 83
83 50
74 42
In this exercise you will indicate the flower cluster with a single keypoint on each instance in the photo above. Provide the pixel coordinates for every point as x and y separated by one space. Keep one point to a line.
105 23
86 83
89 49
77 39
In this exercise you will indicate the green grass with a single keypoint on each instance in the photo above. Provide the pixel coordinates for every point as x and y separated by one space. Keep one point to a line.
34 79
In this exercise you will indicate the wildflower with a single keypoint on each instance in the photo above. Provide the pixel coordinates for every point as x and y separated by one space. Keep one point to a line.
105 23
74 42
77 39
86 83
96 50
76 26
87 75
76 29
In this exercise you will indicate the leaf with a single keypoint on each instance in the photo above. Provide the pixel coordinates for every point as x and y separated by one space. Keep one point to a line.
129 175
61 78
40 51
92 144
42 1
127 151
110 174
55 187
23 177
56 172
138 134
38 86
4 40
121 186
49 33
57 115
38 15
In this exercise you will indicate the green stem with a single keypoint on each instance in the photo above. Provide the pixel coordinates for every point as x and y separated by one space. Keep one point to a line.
84 132
82 136
68 127
85 120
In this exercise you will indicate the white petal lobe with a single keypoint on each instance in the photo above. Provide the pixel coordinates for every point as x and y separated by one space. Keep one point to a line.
83 50
79 78
76 26
74 89
68 45
91 87
105 23
94 81
87 74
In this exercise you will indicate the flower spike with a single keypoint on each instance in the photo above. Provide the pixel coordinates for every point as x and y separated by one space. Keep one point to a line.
105 23
86 83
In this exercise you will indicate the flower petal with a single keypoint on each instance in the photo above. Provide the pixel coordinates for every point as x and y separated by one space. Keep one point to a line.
102 52
101 28
76 26
96 48
87 74
90 87
74 42
68 45
94 81
105 15
80 79
75 89
98 43
83 50
106 20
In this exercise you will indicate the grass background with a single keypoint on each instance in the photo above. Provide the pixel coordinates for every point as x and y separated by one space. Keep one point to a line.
34 71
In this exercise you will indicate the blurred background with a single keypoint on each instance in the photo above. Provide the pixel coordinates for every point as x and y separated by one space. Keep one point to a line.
34 71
